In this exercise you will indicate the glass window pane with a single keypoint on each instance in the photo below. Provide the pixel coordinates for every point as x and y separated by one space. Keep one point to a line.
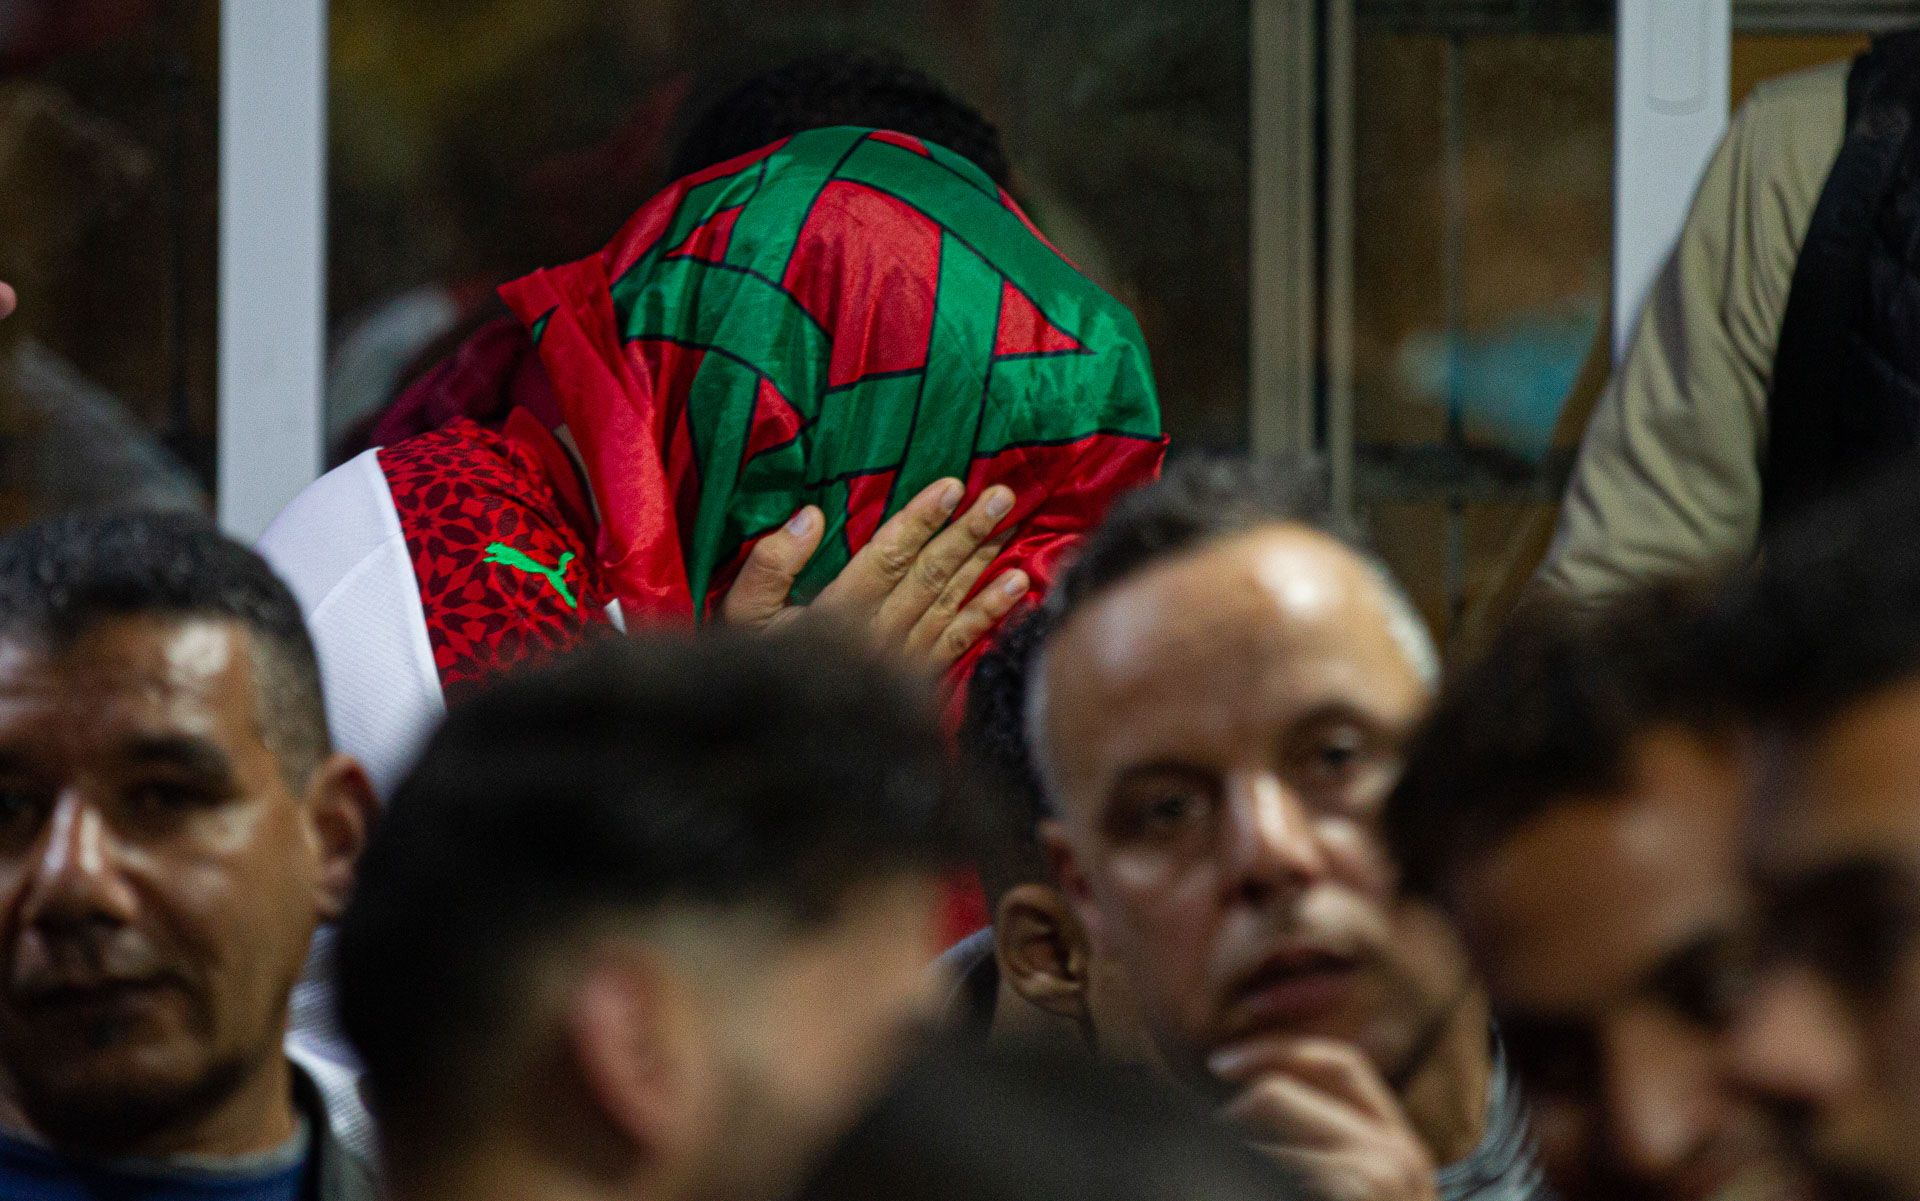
473 141
1483 149
108 148
1483 213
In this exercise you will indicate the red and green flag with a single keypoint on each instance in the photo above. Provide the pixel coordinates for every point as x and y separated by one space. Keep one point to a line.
839 319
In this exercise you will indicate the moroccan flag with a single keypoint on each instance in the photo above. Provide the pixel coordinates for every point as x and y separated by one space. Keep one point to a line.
839 319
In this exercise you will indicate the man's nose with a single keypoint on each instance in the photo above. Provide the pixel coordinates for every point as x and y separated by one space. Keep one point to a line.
74 877
1663 1104
1272 845
1793 1042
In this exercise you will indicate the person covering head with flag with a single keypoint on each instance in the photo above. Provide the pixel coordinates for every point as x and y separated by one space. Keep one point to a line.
773 388
836 322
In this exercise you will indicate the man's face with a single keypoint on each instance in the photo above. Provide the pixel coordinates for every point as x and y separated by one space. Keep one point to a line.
158 877
1611 933
1836 848
1220 734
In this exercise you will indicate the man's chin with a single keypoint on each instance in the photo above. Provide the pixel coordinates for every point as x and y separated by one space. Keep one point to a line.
114 1107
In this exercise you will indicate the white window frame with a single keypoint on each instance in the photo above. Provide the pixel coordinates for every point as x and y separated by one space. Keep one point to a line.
272 275
1673 75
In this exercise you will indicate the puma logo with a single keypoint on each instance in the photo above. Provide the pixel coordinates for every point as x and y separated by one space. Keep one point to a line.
507 556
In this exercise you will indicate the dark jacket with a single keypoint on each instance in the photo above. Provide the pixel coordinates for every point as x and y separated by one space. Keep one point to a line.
1846 380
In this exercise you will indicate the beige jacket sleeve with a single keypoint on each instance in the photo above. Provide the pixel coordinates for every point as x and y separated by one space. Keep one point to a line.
1668 475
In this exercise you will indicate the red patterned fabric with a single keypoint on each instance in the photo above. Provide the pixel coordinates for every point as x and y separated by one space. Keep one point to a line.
463 489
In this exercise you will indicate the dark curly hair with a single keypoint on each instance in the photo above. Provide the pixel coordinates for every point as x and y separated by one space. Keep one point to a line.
1833 612
1549 715
993 735
839 88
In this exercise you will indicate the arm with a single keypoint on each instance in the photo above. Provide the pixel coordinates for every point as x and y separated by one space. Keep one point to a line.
1668 477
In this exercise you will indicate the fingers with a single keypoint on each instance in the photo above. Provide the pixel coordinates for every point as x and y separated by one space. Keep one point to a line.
936 571
759 594
7 299
866 582
1291 1113
1339 1070
1321 1108
974 622
934 620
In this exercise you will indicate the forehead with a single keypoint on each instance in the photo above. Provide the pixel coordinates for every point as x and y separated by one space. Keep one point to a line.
1850 790
1581 902
130 674
1247 631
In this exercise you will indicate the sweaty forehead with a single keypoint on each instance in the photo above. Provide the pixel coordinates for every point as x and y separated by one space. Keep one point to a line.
1252 629
134 674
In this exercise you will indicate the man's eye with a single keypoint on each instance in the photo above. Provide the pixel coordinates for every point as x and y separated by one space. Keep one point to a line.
156 798
1166 813
1865 950
19 805
1337 757
1856 924
1334 756
1171 810
1708 987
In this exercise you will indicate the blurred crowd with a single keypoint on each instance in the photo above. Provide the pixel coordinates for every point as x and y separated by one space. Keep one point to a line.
760 711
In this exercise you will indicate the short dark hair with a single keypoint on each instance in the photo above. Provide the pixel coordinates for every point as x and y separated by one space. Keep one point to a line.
1197 501
1832 614
1548 715
839 88
61 576
993 733
775 775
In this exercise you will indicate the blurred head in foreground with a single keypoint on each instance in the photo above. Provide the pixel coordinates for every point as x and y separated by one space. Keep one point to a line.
1007 1123
1826 639
652 922
1576 801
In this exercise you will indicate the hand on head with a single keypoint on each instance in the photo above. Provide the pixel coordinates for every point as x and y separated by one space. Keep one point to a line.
907 588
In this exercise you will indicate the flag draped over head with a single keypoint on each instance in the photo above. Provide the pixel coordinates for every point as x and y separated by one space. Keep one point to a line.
840 319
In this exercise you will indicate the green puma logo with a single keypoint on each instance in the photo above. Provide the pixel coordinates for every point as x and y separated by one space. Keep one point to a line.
506 556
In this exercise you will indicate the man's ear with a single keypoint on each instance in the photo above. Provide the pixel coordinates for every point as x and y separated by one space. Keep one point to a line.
1043 950
344 808
624 1039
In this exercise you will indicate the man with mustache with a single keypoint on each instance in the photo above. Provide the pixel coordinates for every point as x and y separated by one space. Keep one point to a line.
1575 801
1216 717
173 824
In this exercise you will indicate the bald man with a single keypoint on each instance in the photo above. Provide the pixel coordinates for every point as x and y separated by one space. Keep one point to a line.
1216 716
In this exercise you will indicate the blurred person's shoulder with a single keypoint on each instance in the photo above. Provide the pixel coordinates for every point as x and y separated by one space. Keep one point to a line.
1792 125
